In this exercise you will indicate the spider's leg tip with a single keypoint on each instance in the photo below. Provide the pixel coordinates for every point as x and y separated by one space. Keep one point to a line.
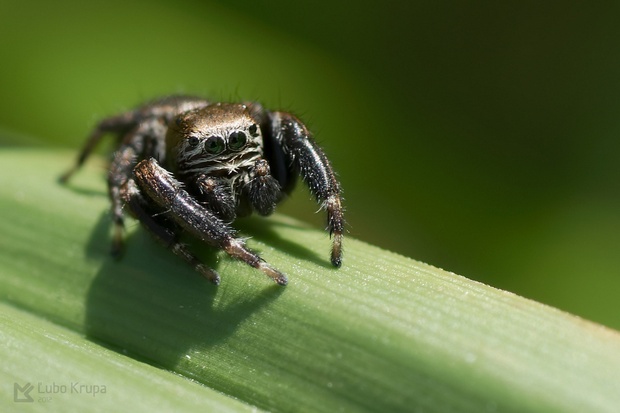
208 273
336 258
64 178
279 278
272 273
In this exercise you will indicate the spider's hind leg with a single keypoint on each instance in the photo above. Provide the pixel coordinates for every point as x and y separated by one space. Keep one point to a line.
116 124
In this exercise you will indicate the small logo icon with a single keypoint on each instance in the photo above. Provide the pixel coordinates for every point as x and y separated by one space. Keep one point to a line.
22 393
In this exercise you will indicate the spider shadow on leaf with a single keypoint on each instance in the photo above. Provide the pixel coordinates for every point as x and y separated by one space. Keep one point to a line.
266 231
83 190
154 307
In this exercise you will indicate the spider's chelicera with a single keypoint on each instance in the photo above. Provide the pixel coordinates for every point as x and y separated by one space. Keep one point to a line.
184 164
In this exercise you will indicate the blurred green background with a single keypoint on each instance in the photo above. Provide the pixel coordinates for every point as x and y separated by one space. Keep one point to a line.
479 137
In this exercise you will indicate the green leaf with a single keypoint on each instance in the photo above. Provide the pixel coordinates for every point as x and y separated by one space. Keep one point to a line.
383 333
72 374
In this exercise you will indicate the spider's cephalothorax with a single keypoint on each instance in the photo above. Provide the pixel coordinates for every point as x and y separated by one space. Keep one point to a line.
187 165
219 148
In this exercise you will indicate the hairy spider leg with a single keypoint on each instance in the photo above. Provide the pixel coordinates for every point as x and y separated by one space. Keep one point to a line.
301 150
166 192
121 168
163 230
123 123
116 124
122 163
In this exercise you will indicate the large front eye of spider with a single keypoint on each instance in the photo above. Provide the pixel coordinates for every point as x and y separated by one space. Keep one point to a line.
214 145
237 140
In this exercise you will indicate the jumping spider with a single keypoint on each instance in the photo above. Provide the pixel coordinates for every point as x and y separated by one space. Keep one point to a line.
185 164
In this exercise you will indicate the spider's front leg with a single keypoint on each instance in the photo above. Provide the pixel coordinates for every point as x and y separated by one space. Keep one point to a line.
167 193
162 229
308 158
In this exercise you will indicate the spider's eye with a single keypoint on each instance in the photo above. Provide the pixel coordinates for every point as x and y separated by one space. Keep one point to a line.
237 140
253 130
193 141
214 145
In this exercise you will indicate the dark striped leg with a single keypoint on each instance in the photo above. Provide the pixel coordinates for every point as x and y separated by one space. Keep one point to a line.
163 230
160 187
316 171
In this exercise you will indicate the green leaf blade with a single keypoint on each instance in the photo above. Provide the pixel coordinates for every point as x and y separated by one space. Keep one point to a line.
383 333
69 373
